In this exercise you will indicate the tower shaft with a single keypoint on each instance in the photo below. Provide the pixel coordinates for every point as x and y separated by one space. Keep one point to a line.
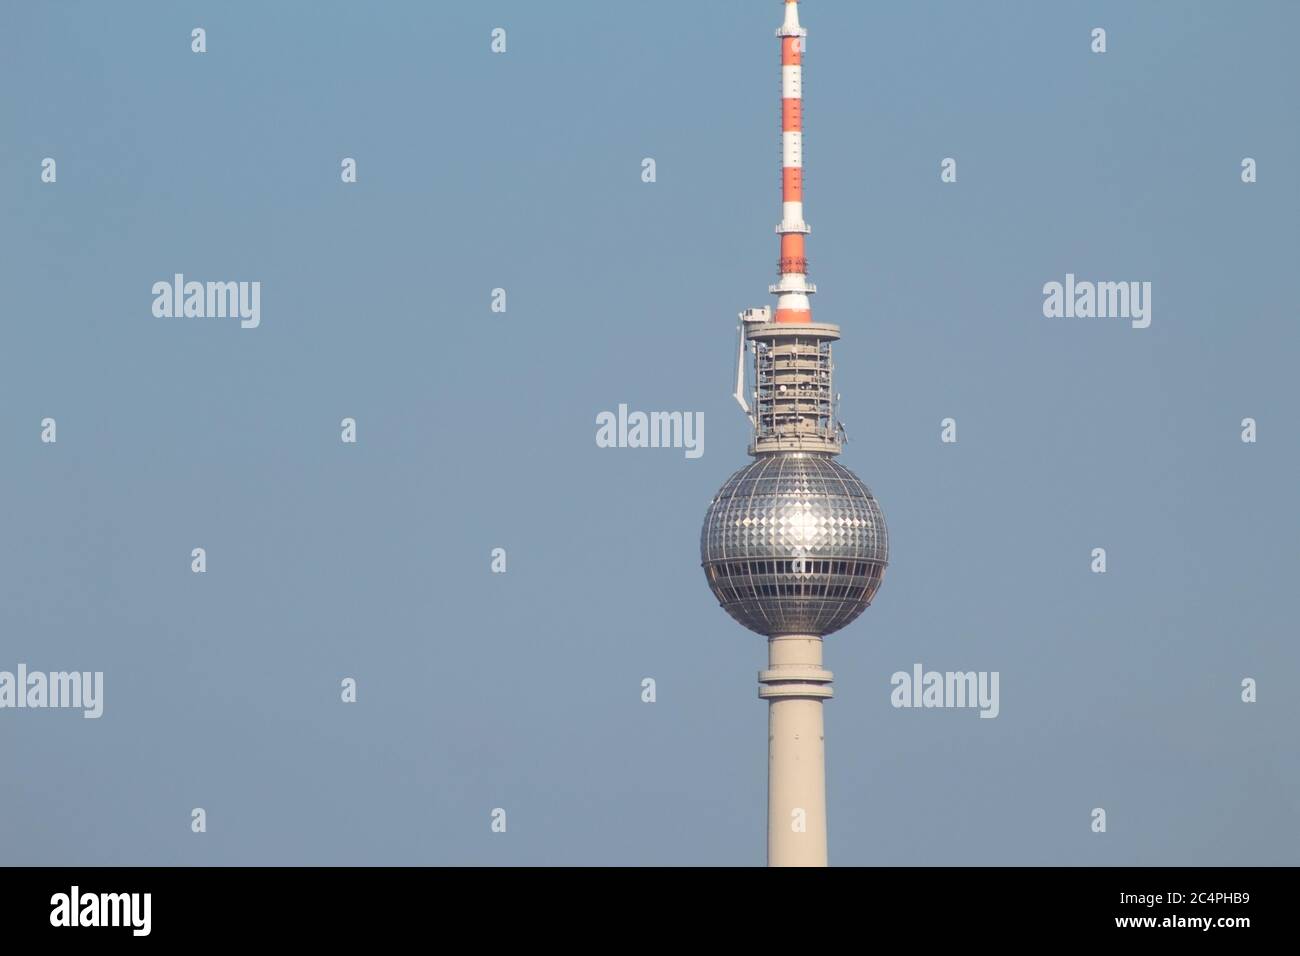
794 686
794 412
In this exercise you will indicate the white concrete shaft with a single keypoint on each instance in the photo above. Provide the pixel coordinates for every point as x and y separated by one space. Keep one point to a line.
794 685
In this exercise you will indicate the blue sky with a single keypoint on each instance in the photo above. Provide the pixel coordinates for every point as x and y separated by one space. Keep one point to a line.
476 429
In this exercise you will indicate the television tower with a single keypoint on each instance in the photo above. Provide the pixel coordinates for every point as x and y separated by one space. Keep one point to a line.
794 546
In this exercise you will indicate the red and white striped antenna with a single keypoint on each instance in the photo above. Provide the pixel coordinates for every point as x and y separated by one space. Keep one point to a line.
791 403
792 288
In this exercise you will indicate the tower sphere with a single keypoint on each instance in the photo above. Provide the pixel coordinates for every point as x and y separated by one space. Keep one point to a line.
794 543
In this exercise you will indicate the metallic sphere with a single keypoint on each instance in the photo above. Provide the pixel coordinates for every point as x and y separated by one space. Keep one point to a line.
794 543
